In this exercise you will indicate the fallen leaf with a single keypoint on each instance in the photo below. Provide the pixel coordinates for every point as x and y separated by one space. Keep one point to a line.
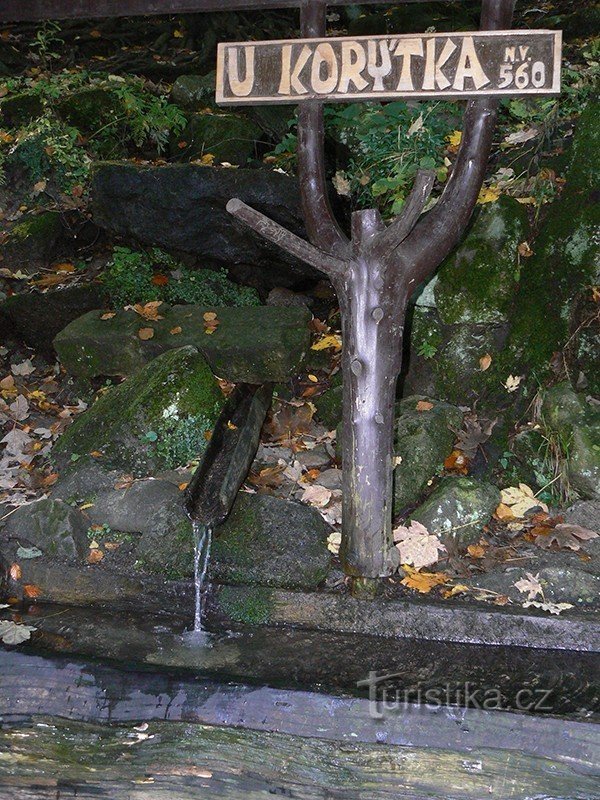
475 433
12 634
485 362
519 137
476 550
175 331
146 333
267 478
504 513
334 541
313 378
423 582
15 572
108 315
454 139
553 608
332 340
511 384
19 409
316 495
531 585
158 279
31 590
423 405
341 184
520 500
415 126
149 310
459 588
94 556
416 545
565 535
28 552
524 250
458 462
24 368
488 194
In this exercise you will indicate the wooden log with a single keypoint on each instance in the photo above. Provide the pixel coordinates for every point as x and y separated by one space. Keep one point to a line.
29 10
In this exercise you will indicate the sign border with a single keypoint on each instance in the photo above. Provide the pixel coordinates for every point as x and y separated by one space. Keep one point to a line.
555 88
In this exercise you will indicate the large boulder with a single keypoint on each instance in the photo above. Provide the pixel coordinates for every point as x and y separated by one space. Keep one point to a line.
577 424
271 542
32 242
252 345
458 509
227 137
52 527
181 208
422 439
36 317
157 419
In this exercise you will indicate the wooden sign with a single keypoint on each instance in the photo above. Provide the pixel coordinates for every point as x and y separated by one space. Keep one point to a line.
384 67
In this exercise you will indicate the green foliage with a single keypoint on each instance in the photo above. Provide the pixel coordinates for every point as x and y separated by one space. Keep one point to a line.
389 143
427 350
131 277
46 42
86 116
182 440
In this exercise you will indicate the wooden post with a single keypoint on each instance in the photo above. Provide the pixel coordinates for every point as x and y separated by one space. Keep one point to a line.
374 274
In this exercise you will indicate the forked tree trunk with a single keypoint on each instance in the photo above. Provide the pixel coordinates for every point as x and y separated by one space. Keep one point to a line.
374 275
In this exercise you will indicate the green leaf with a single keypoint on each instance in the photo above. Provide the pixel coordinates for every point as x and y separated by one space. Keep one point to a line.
29 552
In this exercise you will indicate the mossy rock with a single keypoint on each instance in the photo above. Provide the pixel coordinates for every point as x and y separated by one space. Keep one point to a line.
157 419
90 109
271 542
251 344
251 606
20 109
228 137
51 526
194 92
329 407
566 258
458 509
577 424
476 283
32 242
423 439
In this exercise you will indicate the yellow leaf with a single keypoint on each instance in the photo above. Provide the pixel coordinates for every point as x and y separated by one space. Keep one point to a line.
488 194
423 582
145 333
108 315
313 378
178 34
454 139
331 340
458 589
207 160
424 405
175 331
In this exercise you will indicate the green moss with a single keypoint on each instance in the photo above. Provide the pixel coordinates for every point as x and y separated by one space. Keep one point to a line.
40 226
477 282
248 605
131 423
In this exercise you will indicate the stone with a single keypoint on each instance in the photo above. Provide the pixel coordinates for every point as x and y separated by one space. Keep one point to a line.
32 242
181 207
561 582
423 439
54 527
36 317
314 459
329 407
157 419
577 424
478 280
19 109
458 509
91 109
194 92
271 542
227 137
251 344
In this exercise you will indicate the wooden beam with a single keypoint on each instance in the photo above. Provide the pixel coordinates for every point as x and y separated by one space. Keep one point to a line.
30 10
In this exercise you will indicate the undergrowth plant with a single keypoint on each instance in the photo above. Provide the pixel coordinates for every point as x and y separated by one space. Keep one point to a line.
141 276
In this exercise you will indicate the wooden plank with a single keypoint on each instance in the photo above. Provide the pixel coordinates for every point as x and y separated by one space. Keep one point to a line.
29 10
486 63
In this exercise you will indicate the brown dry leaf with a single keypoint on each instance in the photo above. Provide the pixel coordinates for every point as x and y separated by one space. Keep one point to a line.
423 582
316 495
96 454
525 250
15 572
63 266
416 545
125 482
50 280
7 384
485 362
424 405
211 322
457 462
175 331
267 478
111 545
183 486
149 310
504 514
108 315
475 433
94 556
49 480
520 499
501 600
31 590
145 333
476 550
288 421
565 535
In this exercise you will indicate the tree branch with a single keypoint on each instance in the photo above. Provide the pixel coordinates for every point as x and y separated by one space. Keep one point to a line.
321 224
292 244
436 234
406 221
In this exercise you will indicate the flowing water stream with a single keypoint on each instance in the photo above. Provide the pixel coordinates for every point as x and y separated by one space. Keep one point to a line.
202 543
